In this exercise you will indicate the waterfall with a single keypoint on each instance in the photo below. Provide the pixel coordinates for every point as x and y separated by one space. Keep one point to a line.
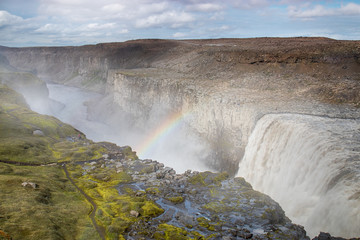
311 166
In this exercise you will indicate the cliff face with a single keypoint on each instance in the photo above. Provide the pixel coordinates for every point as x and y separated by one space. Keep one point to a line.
226 84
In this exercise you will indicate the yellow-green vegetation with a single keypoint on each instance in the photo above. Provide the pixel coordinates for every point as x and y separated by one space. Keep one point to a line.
198 179
18 143
203 222
208 178
114 209
129 153
217 207
170 232
153 190
53 210
176 200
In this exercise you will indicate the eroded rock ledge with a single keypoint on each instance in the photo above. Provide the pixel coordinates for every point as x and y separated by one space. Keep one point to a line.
143 199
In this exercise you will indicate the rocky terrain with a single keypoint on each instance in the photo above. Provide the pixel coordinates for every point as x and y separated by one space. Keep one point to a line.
225 88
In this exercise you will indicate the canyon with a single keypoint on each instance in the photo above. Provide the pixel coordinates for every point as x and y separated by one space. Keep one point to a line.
281 112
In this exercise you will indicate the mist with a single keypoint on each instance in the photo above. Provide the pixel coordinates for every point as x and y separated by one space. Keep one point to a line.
175 146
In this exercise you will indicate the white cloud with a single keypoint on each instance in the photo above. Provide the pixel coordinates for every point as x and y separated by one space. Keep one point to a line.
113 8
97 26
205 7
123 31
350 9
171 18
7 19
250 4
179 35
321 11
48 28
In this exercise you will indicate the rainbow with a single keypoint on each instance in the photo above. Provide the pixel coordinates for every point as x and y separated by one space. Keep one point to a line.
166 126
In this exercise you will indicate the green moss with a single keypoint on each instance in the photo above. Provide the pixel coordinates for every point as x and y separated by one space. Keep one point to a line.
176 200
198 179
220 177
114 209
152 190
203 222
150 209
129 153
170 232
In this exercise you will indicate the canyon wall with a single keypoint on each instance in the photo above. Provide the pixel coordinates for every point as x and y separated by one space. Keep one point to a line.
226 84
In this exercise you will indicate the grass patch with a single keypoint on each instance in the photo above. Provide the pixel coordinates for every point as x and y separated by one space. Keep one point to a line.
54 210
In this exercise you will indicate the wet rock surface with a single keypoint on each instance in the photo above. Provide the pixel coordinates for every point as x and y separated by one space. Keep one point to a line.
199 205
327 236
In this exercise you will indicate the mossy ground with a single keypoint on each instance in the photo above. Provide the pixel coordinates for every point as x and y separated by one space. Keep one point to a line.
54 210
114 209
19 144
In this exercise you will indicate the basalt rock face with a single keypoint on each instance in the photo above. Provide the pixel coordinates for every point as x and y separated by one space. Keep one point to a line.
226 84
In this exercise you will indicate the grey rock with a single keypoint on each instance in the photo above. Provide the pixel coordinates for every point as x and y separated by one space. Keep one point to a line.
38 133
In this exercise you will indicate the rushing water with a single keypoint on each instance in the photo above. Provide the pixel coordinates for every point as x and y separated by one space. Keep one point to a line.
311 166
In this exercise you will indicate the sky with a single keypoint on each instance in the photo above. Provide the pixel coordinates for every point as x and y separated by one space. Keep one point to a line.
80 22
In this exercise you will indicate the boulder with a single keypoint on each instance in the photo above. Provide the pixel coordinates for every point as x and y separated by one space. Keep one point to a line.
30 184
38 133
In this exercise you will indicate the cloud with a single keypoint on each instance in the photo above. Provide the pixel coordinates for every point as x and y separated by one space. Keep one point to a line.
48 28
250 4
7 19
205 7
172 18
113 8
179 35
321 11
98 26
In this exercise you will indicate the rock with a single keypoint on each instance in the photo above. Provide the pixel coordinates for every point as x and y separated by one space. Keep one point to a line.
160 175
38 133
327 236
30 184
134 213
140 193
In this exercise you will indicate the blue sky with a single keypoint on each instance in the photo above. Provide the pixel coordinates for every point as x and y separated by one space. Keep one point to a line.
79 22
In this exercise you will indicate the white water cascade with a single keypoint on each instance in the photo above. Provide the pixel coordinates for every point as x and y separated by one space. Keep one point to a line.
311 166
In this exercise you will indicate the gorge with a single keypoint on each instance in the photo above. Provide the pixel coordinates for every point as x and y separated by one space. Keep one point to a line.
282 113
